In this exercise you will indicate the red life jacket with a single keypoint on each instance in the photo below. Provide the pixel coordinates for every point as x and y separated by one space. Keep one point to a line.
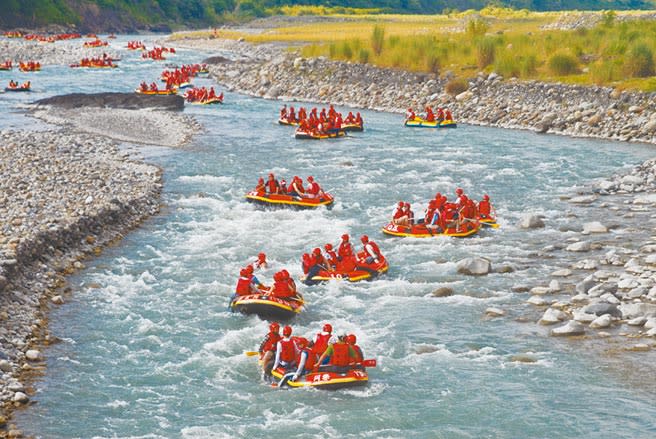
345 250
484 209
358 354
340 356
321 343
332 257
281 289
287 350
319 260
269 343
313 189
244 286
375 248
311 360
399 213
273 186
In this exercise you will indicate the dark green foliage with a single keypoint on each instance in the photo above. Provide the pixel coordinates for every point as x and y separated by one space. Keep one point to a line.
485 52
378 39
563 64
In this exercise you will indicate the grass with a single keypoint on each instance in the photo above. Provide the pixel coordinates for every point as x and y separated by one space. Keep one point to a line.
509 42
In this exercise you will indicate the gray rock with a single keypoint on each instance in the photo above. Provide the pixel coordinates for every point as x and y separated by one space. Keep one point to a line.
494 312
571 328
583 317
581 246
600 322
583 199
128 101
5 366
33 355
594 227
638 321
601 308
21 398
552 316
531 221
537 301
634 310
57 300
443 292
565 272
475 266
585 285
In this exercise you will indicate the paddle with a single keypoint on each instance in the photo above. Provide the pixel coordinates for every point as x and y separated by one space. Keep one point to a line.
251 353
370 362
285 378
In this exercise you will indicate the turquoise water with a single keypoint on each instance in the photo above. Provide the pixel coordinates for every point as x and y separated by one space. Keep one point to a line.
150 350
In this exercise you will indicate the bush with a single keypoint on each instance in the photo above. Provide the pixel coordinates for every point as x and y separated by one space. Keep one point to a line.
485 52
363 56
639 62
433 63
456 86
378 39
604 72
477 27
346 50
562 64
507 66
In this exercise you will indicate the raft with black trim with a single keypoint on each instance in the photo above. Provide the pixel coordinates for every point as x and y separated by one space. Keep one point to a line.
352 127
288 200
285 121
212 101
329 379
361 271
319 136
266 306
418 122
155 92
15 89
420 231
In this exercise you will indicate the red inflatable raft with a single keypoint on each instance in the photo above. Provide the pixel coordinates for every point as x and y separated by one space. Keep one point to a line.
361 271
327 377
288 200
421 231
268 307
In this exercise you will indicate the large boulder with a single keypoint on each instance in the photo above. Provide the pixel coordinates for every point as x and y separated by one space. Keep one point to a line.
601 308
594 227
552 316
475 266
600 322
581 246
531 221
634 310
126 101
569 329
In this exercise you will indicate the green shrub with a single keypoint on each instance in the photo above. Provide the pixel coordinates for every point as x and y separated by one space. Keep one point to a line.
507 66
639 62
477 27
604 72
562 64
378 39
433 63
346 50
456 86
485 52
363 56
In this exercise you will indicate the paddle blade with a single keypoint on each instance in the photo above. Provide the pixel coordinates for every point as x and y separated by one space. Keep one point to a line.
370 362
251 353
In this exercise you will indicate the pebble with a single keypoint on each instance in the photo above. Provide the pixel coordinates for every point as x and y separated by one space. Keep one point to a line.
569 329
494 312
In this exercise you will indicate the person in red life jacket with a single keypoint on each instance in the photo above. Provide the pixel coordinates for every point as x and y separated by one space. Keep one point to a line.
430 117
296 188
459 197
290 282
212 94
306 261
245 284
352 340
283 112
332 256
220 96
400 217
280 287
331 111
260 262
143 86
370 251
440 115
313 189
272 185
318 259
302 114
409 213
410 115
358 120
349 118
430 209
283 186
485 208
292 115
322 115
260 188
338 122
448 115
345 249
323 339
285 351
306 358
267 348
341 354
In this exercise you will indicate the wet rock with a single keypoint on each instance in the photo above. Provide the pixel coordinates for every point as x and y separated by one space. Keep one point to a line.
565 272
127 101
57 300
442 292
635 310
20 397
531 221
581 246
583 317
494 312
600 322
537 301
594 227
602 308
523 358
585 285
638 321
475 266
552 316
554 286
5 366
33 355
583 199
571 328
519 288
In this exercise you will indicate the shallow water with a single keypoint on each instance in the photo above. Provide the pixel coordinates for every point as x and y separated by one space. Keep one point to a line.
150 350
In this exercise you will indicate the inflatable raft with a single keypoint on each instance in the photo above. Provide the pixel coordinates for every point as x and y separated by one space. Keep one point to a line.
156 92
319 136
288 200
352 127
110 66
420 230
15 89
267 307
418 122
361 271
327 378
285 121
212 101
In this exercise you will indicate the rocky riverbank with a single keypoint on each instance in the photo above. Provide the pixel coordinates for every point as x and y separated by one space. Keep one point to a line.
59 53
272 72
62 197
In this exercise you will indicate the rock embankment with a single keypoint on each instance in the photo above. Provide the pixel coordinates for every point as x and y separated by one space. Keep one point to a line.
61 197
582 111
61 52
126 101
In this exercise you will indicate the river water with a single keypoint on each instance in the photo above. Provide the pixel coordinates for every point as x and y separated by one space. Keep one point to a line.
150 349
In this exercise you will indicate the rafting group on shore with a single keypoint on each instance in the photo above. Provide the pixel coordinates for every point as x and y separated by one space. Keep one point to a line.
316 123
300 356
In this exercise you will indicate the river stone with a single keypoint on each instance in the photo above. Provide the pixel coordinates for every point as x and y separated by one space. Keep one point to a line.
600 322
634 310
523 358
571 328
580 298
475 266
128 101
601 308
552 316
5 366
20 397
564 272
33 355
537 301
594 227
583 317
554 286
585 285
638 321
651 332
583 199
627 284
631 179
650 323
581 246
540 291
57 300
494 312
645 199
531 221
443 292
651 259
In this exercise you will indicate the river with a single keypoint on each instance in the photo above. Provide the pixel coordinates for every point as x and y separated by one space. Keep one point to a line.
150 350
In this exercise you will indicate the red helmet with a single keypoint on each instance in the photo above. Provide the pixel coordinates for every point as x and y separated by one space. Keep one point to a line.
317 251
249 269
350 339
287 331
432 203
295 178
310 178
243 272
301 342
274 327
345 237
285 274
277 277
306 256
328 328
486 197
459 191
364 238
328 246
261 257
271 176
438 196
406 204
400 203
260 180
